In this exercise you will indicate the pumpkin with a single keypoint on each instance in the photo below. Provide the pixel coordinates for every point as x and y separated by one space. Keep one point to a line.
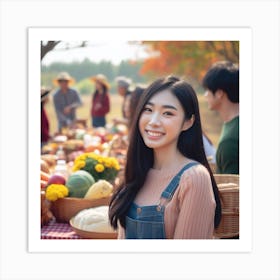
78 183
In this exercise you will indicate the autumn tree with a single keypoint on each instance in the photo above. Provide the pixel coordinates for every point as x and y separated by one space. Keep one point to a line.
188 58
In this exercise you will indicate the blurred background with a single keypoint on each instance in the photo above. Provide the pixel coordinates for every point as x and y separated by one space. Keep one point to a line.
142 61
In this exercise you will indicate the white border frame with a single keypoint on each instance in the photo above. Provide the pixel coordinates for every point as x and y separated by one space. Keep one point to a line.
244 35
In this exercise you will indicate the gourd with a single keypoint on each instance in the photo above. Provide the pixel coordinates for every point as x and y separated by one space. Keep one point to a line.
78 183
100 189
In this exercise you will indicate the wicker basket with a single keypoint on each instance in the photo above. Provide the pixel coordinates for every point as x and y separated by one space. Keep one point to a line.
226 178
228 186
65 208
229 225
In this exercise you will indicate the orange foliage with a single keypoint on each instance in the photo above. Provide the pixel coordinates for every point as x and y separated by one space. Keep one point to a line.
188 58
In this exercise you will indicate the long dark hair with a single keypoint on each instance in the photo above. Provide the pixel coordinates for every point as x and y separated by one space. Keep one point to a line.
104 92
140 158
134 99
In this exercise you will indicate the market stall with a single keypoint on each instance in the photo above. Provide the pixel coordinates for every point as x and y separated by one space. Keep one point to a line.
80 168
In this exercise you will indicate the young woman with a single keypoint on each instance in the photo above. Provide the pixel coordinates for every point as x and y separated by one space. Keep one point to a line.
168 190
100 101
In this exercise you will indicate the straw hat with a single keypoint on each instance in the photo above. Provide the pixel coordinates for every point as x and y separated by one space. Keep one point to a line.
63 76
101 79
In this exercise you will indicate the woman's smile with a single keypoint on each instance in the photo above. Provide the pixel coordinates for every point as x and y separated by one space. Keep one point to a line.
154 134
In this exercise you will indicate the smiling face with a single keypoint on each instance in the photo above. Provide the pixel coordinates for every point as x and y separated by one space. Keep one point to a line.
162 120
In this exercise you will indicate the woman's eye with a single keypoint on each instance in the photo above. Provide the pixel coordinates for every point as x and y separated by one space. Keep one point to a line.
147 109
168 113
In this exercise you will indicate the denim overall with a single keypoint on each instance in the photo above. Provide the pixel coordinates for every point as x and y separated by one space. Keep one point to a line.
147 222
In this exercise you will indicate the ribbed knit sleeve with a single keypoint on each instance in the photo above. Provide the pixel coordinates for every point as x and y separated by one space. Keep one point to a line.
190 213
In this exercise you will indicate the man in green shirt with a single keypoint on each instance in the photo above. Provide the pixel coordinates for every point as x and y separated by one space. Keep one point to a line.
222 94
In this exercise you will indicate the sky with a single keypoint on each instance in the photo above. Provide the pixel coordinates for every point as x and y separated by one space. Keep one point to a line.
114 51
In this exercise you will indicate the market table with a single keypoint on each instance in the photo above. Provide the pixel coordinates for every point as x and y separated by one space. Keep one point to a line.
56 230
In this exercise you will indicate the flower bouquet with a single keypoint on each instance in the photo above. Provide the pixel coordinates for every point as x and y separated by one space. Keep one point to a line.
100 167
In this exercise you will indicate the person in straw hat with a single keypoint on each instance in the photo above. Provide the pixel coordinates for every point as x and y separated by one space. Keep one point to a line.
45 127
100 100
66 100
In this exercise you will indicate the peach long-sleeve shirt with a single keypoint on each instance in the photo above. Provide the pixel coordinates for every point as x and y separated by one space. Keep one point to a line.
190 213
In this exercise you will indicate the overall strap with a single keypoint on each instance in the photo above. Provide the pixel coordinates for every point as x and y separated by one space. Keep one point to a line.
172 186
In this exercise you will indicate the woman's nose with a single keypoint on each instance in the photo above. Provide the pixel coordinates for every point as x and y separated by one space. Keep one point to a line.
154 120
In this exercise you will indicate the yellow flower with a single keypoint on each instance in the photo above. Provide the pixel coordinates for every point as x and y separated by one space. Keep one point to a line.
80 157
75 168
108 162
93 156
81 164
78 165
99 167
55 191
115 164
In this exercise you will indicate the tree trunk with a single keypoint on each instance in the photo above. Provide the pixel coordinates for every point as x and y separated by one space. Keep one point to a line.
48 47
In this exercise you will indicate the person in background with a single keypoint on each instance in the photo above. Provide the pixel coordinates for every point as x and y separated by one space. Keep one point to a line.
100 101
169 191
123 84
134 100
221 83
130 105
66 100
45 126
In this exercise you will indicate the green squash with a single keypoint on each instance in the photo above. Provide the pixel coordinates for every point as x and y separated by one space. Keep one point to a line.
78 183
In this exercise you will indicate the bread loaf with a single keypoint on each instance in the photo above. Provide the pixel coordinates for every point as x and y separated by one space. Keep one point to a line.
93 219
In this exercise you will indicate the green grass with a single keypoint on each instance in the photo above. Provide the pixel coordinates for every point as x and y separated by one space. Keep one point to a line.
210 120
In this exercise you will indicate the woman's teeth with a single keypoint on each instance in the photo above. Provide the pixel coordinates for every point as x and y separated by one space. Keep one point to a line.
152 133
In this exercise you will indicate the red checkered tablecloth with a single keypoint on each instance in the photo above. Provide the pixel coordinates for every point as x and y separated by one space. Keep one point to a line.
58 231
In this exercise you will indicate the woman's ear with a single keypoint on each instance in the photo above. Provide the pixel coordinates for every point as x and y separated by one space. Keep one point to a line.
188 123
